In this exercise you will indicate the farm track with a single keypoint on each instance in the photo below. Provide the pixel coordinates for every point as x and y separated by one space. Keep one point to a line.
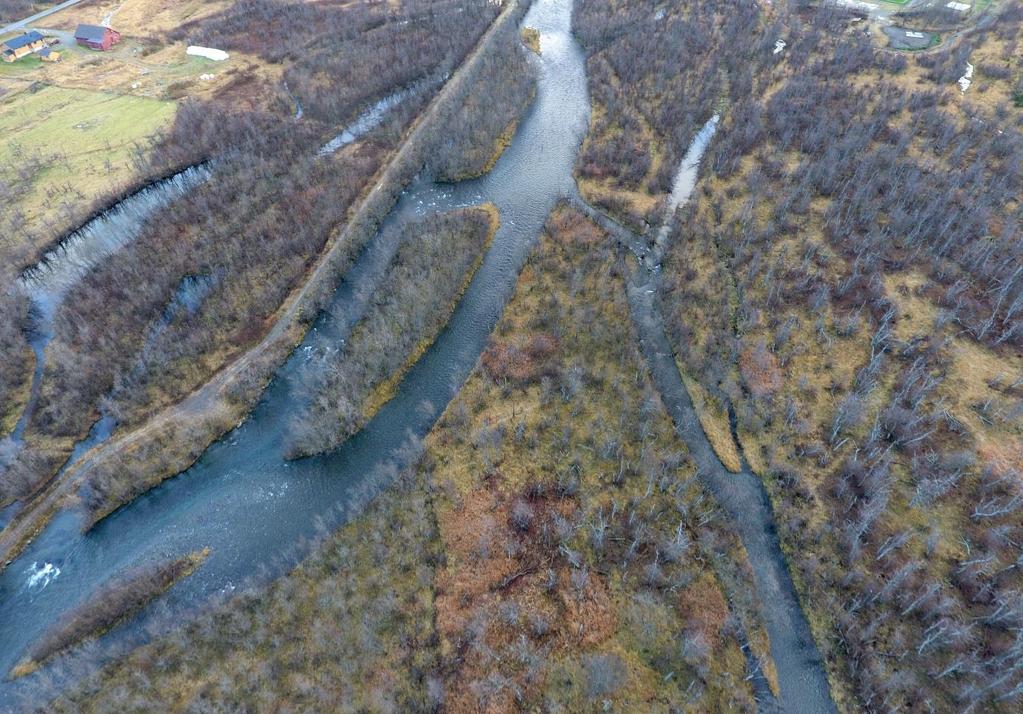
33 517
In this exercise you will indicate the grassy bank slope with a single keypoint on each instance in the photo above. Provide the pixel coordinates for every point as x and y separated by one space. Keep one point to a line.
62 148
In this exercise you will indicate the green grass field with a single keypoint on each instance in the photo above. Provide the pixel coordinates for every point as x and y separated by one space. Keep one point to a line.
53 137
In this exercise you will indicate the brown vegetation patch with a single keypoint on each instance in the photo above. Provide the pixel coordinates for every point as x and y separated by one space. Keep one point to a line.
562 540
703 605
507 582
589 615
760 371
1003 458
525 364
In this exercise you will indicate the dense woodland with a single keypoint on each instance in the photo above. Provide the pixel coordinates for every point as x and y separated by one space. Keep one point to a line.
13 10
349 54
847 286
238 226
656 74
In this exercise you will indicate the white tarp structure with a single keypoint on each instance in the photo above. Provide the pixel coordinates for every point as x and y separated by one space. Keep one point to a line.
779 46
207 52
959 6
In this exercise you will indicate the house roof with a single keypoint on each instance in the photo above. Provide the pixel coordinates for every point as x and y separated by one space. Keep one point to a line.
27 39
90 33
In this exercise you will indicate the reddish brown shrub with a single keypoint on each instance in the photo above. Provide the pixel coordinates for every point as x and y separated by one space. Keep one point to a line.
524 364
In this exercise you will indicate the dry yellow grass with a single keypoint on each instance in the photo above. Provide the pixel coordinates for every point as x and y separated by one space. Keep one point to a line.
16 401
477 487
137 17
977 374
714 420
531 38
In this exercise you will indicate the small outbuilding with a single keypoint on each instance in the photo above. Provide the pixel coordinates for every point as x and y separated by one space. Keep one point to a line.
18 47
97 37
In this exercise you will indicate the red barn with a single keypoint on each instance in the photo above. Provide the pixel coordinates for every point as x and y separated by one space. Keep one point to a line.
96 37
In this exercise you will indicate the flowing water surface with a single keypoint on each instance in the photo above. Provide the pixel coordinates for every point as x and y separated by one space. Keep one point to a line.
49 281
62 267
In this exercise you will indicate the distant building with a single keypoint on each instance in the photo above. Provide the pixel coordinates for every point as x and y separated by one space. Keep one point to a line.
18 47
96 37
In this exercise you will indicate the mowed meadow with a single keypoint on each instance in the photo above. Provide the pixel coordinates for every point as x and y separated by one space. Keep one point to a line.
61 148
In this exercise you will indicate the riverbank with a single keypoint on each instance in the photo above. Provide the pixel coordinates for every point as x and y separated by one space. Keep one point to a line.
119 600
387 389
484 125
554 458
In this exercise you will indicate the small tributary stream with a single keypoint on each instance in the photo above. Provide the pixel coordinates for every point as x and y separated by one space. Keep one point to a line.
61 268
801 675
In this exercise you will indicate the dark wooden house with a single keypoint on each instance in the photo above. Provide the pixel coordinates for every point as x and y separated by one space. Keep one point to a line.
96 37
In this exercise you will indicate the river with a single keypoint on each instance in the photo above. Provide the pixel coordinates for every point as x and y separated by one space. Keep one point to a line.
252 508
242 499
